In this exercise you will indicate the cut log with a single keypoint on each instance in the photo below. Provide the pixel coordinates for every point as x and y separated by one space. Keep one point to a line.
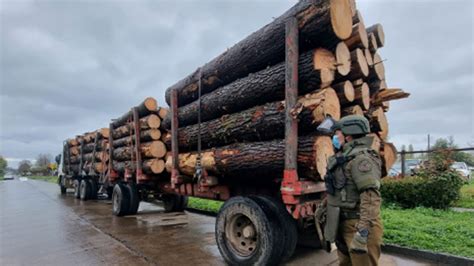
377 71
148 122
101 156
146 135
362 95
358 37
145 108
101 146
376 85
352 110
372 43
388 95
153 149
345 92
386 106
260 158
354 10
343 59
359 67
379 35
389 155
315 70
378 122
104 133
152 166
163 112
357 18
322 23
74 150
369 58
263 122
72 142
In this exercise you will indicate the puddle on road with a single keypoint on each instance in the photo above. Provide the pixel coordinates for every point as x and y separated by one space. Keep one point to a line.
163 219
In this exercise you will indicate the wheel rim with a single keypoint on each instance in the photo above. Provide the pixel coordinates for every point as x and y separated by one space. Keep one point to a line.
82 190
116 202
242 235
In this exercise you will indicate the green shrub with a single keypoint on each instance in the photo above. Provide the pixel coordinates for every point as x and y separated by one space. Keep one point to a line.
437 191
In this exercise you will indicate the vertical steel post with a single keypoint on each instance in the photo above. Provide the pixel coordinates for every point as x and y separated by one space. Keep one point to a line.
174 138
291 94
402 159
136 125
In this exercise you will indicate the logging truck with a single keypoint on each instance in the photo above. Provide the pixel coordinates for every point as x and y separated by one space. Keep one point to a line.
242 129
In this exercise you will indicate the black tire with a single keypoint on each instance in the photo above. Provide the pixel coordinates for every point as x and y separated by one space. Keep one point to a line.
134 198
261 246
93 189
85 190
287 223
174 202
110 191
77 184
120 200
61 186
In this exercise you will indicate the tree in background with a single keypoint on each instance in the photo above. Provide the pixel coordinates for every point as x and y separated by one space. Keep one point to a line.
411 155
3 166
458 156
24 167
42 164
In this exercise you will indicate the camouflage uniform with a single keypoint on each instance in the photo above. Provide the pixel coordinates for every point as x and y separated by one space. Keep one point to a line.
354 205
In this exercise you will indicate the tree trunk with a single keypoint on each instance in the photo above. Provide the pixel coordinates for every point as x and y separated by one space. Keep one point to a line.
148 122
322 23
378 122
152 149
268 85
101 156
388 95
345 92
263 122
379 35
358 37
101 146
376 85
146 135
145 108
152 166
260 158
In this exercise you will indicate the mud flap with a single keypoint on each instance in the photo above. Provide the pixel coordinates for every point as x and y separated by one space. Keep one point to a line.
319 221
332 223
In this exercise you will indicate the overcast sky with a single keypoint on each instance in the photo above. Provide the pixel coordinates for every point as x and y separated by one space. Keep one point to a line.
70 66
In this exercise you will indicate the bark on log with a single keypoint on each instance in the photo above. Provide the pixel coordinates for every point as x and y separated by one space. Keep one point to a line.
153 149
376 85
357 18
345 92
146 135
322 23
152 166
263 122
101 146
72 142
148 122
378 122
386 106
362 95
358 37
101 156
377 71
145 108
379 34
74 150
260 158
315 70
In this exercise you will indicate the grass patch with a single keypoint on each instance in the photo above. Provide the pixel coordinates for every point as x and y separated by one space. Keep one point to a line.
467 196
51 179
437 230
205 204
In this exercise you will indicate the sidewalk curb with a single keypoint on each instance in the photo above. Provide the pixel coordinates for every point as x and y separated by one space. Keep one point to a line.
441 258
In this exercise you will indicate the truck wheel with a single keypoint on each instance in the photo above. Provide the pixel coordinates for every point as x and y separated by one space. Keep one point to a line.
287 225
134 199
85 190
93 189
110 191
77 193
61 185
120 200
174 202
247 233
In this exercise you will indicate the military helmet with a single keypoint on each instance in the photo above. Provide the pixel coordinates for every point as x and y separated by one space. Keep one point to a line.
353 125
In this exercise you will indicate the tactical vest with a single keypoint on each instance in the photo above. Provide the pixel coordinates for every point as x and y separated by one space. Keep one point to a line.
346 187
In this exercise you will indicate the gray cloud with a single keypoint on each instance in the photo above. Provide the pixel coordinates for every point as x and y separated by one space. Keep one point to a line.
67 67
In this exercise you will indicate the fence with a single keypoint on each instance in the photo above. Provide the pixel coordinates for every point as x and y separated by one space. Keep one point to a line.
403 154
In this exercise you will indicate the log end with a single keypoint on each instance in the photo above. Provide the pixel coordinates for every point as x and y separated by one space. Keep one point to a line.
368 57
341 18
323 59
163 112
349 91
379 68
153 121
158 149
330 106
365 96
324 150
389 155
362 62
343 58
150 104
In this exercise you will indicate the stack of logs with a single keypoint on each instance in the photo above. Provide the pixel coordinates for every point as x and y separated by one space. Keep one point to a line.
242 105
88 151
152 149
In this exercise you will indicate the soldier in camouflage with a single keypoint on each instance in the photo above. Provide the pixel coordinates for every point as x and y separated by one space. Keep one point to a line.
353 202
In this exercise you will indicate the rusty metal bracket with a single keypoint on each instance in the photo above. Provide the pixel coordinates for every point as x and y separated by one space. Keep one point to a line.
174 139
136 124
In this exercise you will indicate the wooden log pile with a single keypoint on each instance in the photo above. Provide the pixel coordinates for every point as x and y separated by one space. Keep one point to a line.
87 154
124 138
340 73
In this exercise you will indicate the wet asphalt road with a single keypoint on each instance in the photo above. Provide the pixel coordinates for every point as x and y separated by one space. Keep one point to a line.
38 226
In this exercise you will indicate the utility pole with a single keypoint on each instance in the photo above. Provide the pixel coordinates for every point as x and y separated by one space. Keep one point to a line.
429 142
